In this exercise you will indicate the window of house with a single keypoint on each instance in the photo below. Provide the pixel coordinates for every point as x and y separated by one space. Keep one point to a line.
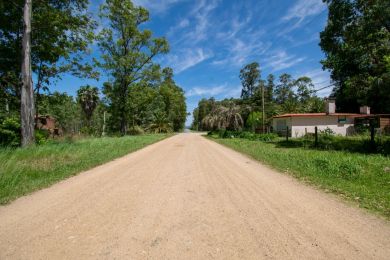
342 120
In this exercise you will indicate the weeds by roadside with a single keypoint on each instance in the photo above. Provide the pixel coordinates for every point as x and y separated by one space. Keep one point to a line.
25 170
362 178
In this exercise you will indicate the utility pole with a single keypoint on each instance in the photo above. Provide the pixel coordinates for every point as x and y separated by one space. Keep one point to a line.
27 92
104 124
262 97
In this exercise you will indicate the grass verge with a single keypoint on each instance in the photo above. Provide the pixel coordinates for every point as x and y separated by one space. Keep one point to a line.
364 179
23 171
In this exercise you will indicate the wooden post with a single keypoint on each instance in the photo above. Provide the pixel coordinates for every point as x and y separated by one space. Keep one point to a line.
372 130
104 124
316 136
287 133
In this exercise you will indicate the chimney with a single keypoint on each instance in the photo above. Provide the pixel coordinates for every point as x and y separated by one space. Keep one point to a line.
365 110
330 106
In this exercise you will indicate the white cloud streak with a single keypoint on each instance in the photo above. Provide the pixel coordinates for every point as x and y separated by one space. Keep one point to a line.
281 60
206 91
201 13
222 91
187 58
320 80
157 6
301 12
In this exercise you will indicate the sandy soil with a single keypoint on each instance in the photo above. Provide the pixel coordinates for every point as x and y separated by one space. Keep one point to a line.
187 198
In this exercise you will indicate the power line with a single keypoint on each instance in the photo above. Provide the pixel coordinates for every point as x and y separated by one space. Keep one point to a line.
331 85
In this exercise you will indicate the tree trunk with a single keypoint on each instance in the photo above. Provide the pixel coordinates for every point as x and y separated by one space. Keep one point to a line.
27 93
123 114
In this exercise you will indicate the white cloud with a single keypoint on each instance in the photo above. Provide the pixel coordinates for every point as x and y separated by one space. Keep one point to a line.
320 80
184 23
223 91
206 91
301 11
282 60
179 26
241 51
240 43
201 13
234 92
187 58
158 6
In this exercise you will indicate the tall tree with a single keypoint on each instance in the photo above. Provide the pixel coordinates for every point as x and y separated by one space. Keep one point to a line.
88 98
285 95
62 31
174 99
305 89
356 42
284 91
250 77
127 52
269 96
27 93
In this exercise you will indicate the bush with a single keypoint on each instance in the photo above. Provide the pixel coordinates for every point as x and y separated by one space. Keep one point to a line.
10 132
267 137
41 136
245 135
136 130
87 130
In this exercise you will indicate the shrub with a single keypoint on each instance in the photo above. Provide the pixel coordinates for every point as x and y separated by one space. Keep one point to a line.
87 130
41 136
10 132
245 135
327 131
267 137
136 130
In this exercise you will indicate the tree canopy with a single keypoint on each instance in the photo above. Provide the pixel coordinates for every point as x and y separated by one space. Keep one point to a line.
286 95
127 53
356 42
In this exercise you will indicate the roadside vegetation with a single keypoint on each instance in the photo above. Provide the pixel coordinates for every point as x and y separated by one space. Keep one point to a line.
139 95
355 42
356 176
26 170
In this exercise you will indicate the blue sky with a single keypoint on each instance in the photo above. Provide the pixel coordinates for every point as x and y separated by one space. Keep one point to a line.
211 40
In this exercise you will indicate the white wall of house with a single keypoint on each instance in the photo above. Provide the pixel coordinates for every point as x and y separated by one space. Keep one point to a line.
301 125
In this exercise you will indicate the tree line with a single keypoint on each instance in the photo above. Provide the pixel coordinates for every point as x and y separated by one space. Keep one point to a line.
356 43
260 100
51 38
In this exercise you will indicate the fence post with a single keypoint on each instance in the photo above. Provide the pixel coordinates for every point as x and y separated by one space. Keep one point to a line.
316 136
287 133
372 141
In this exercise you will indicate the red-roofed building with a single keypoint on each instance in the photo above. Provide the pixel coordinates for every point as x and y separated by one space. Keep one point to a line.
301 124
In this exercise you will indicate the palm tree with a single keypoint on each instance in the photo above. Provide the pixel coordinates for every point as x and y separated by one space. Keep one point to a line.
160 123
88 98
224 117
231 117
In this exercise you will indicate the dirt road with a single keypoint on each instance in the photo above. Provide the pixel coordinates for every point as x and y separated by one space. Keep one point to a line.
187 198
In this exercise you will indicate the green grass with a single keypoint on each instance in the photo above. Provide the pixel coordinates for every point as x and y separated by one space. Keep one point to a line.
23 171
361 178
